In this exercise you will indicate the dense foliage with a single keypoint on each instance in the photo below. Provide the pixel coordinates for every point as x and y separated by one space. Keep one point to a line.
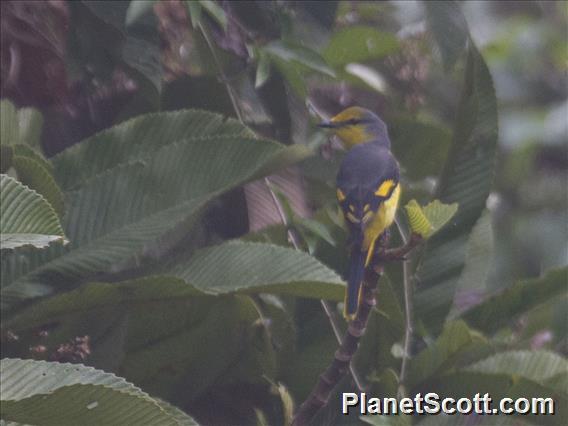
169 224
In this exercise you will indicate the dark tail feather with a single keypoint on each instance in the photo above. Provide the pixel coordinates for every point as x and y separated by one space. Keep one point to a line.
356 270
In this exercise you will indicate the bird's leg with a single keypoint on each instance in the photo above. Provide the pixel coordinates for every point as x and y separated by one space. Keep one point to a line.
384 254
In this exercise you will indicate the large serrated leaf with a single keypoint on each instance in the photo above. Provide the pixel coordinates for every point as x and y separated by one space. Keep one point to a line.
247 268
447 24
456 340
35 175
138 139
466 179
498 386
534 365
501 308
173 329
238 266
479 260
40 392
137 181
26 218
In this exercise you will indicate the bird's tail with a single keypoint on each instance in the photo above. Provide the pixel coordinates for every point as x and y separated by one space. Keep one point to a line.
354 279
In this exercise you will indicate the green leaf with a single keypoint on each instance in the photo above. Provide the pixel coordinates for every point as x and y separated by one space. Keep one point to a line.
538 366
139 138
93 297
293 73
215 11
479 260
521 297
147 177
421 147
6 154
22 150
466 384
359 44
447 24
173 329
194 11
418 222
262 69
287 402
26 218
457 340
36 392
9 131
136 9
384 329
257 268
466 180
317 228
290 52
426 221
308 363
181 418
218 332
36 176
512 374
19 125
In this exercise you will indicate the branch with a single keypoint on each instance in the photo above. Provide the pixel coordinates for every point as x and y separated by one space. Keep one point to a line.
319 396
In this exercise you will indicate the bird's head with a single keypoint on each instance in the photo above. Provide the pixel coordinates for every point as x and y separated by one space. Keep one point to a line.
357 125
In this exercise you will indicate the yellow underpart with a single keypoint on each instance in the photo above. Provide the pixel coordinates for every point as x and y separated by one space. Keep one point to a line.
379 222
384 188
340 195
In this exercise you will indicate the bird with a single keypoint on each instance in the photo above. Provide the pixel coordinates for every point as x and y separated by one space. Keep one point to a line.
367 189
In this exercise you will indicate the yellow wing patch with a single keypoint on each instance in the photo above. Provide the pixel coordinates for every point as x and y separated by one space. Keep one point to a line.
384 188
340 195
381 221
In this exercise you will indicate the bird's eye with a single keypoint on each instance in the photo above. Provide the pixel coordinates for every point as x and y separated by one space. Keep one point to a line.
353 121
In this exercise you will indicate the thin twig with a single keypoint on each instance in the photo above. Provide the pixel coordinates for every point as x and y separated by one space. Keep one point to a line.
329 311
408 312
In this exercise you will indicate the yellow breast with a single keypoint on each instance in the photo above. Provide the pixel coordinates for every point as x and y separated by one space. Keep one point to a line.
379 222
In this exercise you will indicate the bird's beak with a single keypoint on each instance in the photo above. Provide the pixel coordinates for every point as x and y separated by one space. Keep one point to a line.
327 124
